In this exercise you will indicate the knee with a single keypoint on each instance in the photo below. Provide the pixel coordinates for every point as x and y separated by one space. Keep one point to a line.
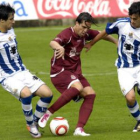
25 92
48 93
130 100
78 86
88 91
44 91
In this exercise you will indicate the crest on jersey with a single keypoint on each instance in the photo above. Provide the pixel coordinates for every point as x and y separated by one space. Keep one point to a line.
130 35
123 90
10 39
73 77
72 52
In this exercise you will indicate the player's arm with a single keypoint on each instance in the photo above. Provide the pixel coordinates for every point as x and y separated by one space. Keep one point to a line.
59 50
110 39
101 35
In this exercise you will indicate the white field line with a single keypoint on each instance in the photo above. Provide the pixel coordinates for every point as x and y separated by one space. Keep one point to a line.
90 75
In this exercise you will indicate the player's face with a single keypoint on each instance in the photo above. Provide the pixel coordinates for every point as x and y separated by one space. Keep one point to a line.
8 24
82 28
135 20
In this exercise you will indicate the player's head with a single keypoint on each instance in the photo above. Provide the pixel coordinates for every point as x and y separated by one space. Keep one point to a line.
134 14
5 11
83 23
6 16
84 17
134 8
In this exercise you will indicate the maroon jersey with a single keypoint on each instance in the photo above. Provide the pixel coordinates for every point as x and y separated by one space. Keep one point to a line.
73 45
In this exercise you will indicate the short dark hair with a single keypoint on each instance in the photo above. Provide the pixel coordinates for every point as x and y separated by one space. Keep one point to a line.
5 10
134 8
85 16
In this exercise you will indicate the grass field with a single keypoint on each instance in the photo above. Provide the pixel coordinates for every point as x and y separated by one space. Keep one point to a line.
110 119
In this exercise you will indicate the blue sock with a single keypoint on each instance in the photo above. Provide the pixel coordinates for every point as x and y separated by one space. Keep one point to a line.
134 110
41 107
27 109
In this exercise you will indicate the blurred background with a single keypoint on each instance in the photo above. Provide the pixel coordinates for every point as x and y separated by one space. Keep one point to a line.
35 13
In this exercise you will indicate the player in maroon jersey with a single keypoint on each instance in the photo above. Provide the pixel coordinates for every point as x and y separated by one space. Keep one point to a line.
66 73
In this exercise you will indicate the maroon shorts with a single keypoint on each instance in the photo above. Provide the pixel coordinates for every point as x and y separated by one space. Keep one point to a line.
62 80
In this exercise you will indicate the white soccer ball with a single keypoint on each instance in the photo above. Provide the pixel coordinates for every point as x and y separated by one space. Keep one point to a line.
59 126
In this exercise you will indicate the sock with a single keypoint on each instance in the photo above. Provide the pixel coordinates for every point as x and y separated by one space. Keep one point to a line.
27 109
65 97
85 110
134 110
41 107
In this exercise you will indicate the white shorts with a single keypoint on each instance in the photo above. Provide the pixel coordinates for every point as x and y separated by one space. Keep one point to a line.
128 78
17 82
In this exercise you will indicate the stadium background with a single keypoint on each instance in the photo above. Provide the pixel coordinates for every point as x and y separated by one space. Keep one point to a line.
110 119
63 12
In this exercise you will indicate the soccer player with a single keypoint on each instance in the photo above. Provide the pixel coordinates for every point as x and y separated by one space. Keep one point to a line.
15 78
128 62
66 73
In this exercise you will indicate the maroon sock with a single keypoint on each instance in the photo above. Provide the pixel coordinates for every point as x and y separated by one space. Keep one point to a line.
85 110
65 97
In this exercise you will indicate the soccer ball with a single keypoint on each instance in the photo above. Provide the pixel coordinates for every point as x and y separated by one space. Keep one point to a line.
59 126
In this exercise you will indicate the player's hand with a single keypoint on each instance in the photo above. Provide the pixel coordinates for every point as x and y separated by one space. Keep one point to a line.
87 46
59 52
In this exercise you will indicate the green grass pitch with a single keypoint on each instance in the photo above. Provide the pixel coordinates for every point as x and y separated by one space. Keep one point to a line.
110 119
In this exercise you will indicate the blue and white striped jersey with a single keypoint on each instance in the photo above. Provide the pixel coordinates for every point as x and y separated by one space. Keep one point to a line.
10 60
129 42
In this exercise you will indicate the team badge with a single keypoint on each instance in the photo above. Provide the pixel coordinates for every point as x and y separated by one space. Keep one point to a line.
15 91
10 39
73 77
123 90
130 35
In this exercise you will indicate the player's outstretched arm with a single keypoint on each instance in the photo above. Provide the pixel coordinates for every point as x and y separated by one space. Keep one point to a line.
111 39
101 35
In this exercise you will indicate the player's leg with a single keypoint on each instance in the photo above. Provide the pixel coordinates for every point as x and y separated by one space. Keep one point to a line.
15 86
133 107
127 83
38 88
138 79
65 97
85 110
63 83
26 100
22 93
45 98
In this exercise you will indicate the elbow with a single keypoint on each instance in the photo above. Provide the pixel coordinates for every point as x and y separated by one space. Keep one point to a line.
50 44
